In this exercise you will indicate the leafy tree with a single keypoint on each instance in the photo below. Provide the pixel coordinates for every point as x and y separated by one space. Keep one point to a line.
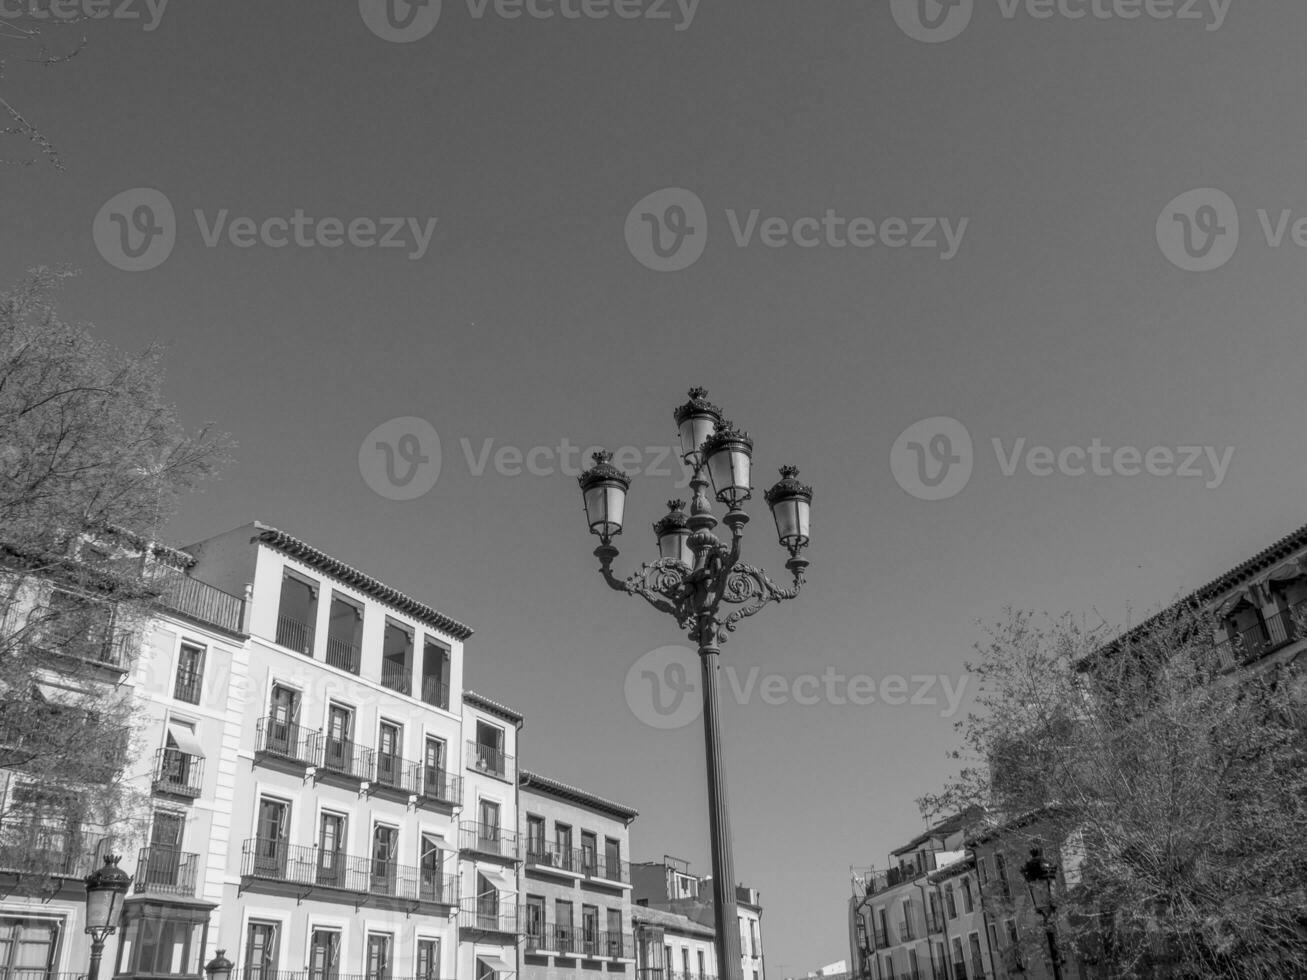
92 460
24 35
1176 795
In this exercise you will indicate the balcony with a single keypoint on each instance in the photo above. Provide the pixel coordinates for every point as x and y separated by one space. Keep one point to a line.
197 600
285 743
488 840
490 760
551 858
905 931
481 916
435 691
397 676
343 654
296 635
178 773
609 870
1255 642
440 790
166 871
397 777
42 846
340 760
335 876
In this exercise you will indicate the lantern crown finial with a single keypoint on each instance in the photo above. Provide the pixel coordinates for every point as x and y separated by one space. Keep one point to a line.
697 405
788 486
603 469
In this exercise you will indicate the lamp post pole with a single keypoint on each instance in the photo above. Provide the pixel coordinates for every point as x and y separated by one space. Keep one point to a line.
1040 874
695 574
105 889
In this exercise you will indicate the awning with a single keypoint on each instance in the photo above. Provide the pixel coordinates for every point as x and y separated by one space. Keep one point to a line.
185 739
496 963
501 881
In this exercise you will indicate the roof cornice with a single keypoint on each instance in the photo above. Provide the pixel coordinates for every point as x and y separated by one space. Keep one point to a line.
571 794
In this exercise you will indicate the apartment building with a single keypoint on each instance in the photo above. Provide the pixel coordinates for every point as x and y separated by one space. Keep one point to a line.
157 801
576 883
670 885
489 926
672 946
921 917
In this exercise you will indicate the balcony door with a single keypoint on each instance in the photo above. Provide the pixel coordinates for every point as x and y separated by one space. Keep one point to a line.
428 964
261 951
433 768
270 843
431 866
164 863
385 845
490 748
340 732
283 720
487 904
615 946
590 929
535 838
378 957
324 955
27 947
488 827
331 850
388 761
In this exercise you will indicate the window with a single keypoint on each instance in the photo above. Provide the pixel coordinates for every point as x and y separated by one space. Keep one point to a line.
428 959
590 929
378 957
190 673
563 918
397 658
431 865
324 954
385 847
668 962
992 932
685 962
905 927
977 960
162 867
181 762
535 918
1012 937
563 842
932 914
959 963
535 837
753 938
270 847
487 903
435 674
615 945
490 750
612 859
950 902
344 633
27 946
966 895
297 613
1000 871
261 950
913 968
982 871
589 852
389 748
882 915
331 849
703 970
488 828
339 754
282 735
434 778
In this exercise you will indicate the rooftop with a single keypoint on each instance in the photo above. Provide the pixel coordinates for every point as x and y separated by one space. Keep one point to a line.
493 707
543 784
671 920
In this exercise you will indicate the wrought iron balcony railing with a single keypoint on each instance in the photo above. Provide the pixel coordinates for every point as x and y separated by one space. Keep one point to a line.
547 854
438 786
488 839
166 871
1267 636
178 773
197 600
343 654
43 846
490 760
341 756
397 676
286 740
272 860
605 867
295 634
483 915
435 691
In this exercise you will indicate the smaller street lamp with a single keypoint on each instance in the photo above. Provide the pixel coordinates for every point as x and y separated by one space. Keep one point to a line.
604 490
1041 874
673 534
219 968
105 889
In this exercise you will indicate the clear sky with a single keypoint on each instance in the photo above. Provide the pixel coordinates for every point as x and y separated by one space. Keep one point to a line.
528 320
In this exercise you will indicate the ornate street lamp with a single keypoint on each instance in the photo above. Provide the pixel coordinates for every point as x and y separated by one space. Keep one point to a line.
219 968
105 890
695 577
1041 874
